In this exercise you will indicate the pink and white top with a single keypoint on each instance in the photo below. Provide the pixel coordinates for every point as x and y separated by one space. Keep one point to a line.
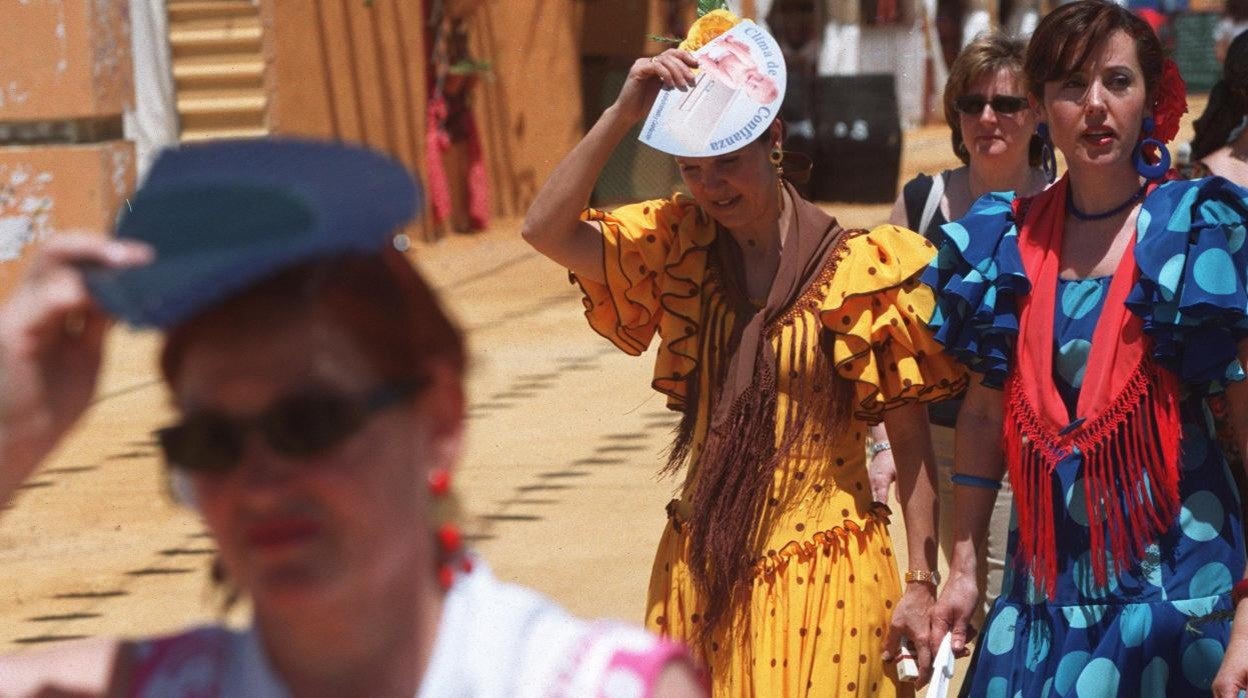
495 640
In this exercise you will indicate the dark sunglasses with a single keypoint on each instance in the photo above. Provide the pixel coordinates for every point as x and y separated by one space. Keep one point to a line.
297 426
973 105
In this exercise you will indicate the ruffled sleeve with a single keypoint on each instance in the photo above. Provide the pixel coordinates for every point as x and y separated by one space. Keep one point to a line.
875 310
978 278
1191 289
650 254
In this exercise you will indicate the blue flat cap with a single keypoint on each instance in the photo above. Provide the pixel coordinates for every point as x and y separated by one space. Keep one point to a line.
224 215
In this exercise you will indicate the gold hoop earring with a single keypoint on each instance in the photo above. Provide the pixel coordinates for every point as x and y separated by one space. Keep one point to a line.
776 157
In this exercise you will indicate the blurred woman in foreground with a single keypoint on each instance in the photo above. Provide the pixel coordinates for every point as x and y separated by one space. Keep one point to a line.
320 388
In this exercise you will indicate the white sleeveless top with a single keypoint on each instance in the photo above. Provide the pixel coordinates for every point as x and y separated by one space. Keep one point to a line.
495 640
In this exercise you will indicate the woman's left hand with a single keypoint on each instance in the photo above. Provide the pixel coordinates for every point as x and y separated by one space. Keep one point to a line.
912 620
1232 677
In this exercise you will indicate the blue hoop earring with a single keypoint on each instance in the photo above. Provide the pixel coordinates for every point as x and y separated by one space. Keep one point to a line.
1142 166
1048 161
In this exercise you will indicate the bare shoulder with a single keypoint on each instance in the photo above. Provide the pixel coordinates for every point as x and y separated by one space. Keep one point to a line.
80 668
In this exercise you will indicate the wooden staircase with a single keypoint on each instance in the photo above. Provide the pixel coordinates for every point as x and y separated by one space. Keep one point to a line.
218 68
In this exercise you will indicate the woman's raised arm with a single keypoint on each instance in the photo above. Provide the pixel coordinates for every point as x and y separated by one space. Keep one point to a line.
51 335
553 225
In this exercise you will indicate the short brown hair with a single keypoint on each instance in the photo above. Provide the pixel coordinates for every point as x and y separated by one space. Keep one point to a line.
988 54
1067 36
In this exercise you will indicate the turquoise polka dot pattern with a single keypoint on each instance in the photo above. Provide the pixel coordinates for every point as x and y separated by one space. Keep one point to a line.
1085 616
998 688
1211 580
1077 502
1135 622
1080 297
1170 274
1099 679
1001 633
956 234
980 279
1201 661
1154 678
1069 669
1131 636
1039 642
1214 272
1071 360
1201 517
1191 291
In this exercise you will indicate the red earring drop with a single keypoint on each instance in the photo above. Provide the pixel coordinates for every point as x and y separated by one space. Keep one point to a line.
447 536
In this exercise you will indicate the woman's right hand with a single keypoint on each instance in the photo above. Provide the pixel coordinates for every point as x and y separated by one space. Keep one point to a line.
51 335
953 612
672 68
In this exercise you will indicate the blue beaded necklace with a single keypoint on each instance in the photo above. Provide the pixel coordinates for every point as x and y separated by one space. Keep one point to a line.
1074 211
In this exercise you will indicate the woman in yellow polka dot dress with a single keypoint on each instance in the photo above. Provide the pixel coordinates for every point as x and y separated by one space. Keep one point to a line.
782 336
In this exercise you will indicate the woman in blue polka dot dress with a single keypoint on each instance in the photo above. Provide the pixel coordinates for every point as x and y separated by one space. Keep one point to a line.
1100 315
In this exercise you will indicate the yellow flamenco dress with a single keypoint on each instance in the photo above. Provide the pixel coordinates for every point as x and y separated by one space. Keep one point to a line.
814 614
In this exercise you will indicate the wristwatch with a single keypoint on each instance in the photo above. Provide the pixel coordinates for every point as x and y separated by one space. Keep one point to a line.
924 576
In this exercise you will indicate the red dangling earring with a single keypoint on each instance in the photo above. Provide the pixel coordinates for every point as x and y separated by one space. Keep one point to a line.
447 537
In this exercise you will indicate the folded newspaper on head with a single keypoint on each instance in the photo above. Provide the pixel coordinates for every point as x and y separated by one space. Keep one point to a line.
740 85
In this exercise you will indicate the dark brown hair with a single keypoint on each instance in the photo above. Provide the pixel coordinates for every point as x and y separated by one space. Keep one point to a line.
1068 36
1228 102
988 54
379 300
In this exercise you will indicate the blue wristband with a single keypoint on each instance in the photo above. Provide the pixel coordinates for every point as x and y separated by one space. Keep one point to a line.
975 481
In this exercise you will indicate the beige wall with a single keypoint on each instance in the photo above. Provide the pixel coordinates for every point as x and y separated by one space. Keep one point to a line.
348 71
529 110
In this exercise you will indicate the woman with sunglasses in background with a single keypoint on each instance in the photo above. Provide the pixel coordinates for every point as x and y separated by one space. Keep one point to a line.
781 337
1099 315
992 129
321 395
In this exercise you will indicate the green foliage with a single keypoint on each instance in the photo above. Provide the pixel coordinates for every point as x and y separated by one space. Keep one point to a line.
662 39
470 66
705 6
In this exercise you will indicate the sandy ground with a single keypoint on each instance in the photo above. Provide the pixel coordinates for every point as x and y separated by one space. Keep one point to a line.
558 485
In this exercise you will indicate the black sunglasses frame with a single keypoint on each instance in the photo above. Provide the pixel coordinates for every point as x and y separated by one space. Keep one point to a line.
186 449
973 105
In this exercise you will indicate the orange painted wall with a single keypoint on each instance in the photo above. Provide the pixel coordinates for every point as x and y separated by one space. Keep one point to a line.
356 71
529 111
48 189
348 70
64 59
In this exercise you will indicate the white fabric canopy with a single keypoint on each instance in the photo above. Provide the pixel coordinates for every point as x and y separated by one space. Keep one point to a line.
152 123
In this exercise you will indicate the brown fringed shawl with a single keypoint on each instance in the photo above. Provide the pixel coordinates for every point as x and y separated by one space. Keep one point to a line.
742 450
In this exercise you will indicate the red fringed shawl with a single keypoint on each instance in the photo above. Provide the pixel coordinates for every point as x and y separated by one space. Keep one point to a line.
1127 420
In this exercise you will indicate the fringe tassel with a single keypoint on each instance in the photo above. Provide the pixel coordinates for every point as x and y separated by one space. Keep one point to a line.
737 466
1130 471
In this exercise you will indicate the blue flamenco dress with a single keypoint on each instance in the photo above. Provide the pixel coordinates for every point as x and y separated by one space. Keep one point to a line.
1158 628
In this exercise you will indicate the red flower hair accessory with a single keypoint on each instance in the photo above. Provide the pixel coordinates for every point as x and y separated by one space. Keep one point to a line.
1171 102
